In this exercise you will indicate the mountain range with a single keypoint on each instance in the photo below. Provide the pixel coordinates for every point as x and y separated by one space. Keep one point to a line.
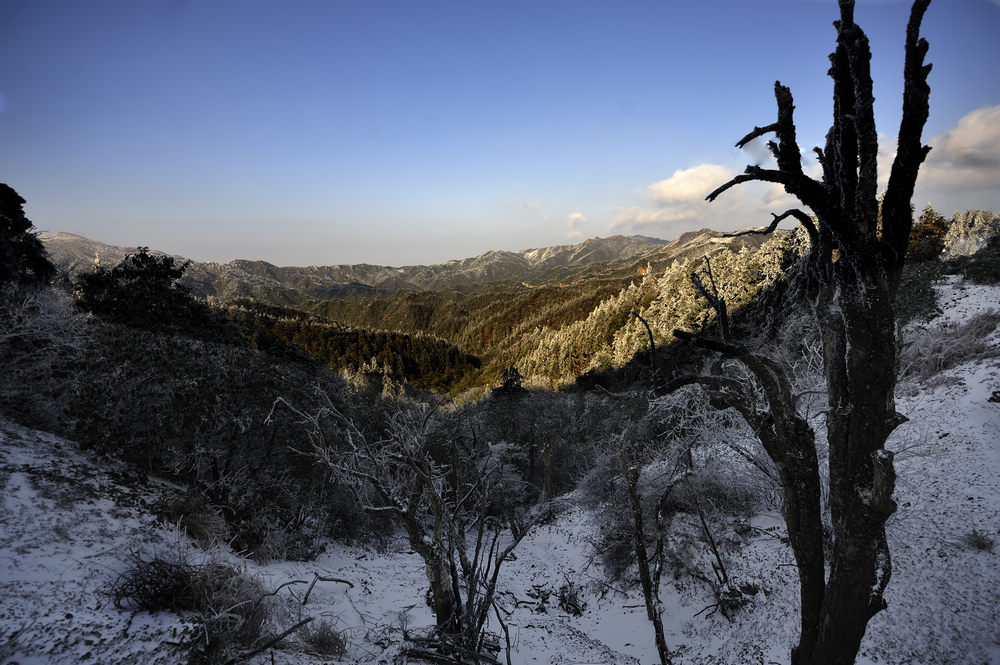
613 257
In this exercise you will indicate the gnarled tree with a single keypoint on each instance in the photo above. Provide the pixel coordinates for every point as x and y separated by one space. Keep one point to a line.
854 268
451 496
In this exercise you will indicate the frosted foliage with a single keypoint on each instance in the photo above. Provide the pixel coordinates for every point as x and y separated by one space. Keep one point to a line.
969 232
559 355
611 336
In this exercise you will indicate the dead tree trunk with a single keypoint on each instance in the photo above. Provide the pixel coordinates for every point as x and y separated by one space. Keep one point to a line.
855 265
650 592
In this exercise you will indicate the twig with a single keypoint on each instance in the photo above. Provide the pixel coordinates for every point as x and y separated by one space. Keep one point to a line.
714 608
606 585
506 631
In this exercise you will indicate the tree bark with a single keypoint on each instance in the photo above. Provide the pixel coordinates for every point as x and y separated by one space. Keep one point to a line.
861 377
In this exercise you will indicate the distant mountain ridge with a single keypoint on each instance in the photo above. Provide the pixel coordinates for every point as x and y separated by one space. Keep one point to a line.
291 285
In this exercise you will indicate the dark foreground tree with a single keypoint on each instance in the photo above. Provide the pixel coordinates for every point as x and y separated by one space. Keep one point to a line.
853 272
143 291
23 260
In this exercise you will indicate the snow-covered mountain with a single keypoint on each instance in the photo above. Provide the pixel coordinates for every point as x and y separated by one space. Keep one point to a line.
293 284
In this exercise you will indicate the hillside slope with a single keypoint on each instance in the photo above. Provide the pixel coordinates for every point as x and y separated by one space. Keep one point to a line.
70 521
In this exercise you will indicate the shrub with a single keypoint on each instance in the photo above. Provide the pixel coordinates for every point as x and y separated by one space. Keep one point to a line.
982 267
917 299
187 409
569 599
927 236
41 338
202 522
598 485
979 541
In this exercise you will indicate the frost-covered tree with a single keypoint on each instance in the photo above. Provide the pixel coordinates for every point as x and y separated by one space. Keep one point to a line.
853 272
456 499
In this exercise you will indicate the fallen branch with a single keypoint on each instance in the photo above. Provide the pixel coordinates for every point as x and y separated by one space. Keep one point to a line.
318 578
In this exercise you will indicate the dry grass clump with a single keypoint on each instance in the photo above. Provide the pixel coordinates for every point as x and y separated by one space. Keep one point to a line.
201 521
931 351
978 540
322 639
227 603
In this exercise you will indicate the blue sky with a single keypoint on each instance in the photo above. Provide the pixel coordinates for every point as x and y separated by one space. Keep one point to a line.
319 132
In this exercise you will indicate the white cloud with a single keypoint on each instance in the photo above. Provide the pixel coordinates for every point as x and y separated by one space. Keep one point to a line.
966 157
574 221
670 207
689 185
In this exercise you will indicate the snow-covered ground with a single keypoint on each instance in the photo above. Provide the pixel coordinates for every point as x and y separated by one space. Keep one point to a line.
69 521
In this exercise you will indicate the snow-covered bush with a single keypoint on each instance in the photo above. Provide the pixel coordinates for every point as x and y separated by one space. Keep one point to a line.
201 521
917 299
970 232
41 341
983 267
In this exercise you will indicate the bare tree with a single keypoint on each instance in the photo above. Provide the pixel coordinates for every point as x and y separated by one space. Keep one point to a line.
854 268
649 575
452 499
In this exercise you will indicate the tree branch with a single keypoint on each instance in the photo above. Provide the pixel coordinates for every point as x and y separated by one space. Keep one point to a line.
811 193
897 219
250 654
652 347
713 298
756 133
803 219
